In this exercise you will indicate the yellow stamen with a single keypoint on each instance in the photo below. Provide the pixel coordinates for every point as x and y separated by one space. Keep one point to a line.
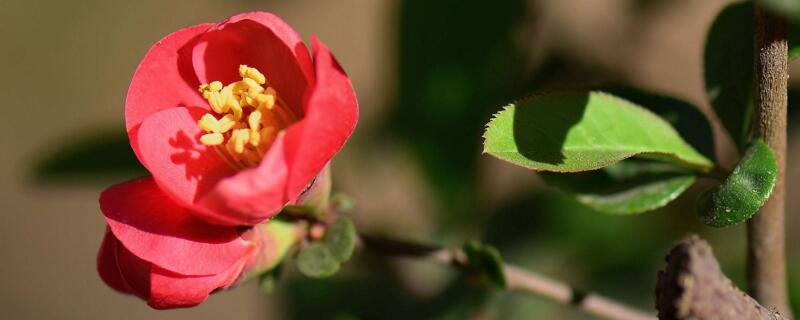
212 139
252 73
226 123
247 117
215 86
255 138
253 88
209 124
265 101
254 120
240 138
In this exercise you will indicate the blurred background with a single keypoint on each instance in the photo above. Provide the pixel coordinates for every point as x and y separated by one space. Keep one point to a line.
429 74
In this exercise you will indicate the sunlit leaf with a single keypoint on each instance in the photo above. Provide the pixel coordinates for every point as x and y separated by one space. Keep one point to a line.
744 191
686 118
627 187
317 261
728 68
572 132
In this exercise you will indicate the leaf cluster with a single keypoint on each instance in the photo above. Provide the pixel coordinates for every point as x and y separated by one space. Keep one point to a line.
621 150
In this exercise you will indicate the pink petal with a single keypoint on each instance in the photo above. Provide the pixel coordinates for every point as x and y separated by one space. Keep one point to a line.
164 79
253 195
182 166
134 271
173 290
107 264
158 230
330 117
259 40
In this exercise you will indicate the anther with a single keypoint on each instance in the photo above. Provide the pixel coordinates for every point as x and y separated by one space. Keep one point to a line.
212 139
226 123
254 120
265 100
242 135
208 123
252 73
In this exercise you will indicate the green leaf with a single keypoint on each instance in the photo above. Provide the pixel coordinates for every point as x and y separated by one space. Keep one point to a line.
103 154
486 261
627 187
744 191
572 132
317 261
787 8
728 68
340 238
686 118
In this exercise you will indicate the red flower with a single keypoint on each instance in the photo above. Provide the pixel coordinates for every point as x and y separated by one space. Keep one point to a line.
223 159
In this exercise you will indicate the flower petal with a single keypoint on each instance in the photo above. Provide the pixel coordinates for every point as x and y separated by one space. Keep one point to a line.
158 230
260 40
134 271
253 195
172 290
330 117
164 79
182 166
107 264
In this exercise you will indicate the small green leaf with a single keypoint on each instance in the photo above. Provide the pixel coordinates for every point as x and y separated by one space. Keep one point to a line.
572 132
728 68
317 261
744 191
485 260
340 238
787 8
627 187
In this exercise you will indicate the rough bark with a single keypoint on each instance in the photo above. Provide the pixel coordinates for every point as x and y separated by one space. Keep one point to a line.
692 286
766 248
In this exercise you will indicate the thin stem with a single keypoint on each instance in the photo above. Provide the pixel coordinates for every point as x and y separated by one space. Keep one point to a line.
766 248
517 279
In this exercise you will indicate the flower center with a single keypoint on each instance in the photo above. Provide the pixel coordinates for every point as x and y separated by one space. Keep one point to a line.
246 120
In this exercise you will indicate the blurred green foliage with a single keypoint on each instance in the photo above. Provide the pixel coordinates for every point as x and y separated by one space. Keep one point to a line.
99 155
729 87
458 60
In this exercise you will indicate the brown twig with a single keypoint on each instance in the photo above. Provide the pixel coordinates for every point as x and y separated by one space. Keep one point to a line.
517 279
766 248
692 286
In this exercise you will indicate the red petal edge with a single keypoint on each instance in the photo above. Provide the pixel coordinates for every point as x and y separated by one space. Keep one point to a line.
260 40
331 116
164 79
107 264
161 232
